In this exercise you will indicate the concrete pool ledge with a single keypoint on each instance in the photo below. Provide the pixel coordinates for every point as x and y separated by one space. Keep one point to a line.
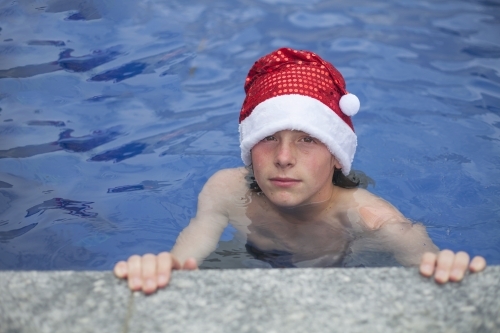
251 300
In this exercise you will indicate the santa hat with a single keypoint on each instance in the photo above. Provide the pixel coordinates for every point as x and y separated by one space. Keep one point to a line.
297 90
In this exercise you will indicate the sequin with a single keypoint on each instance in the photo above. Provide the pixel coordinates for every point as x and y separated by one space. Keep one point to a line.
304 73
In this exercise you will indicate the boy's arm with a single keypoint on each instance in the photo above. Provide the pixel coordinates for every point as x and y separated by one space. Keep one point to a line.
201 236
150 272
388 230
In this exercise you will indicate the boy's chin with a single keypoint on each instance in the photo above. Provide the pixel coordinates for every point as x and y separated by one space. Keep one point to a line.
285 201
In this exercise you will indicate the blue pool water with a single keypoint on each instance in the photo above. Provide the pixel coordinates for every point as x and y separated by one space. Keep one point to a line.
114 113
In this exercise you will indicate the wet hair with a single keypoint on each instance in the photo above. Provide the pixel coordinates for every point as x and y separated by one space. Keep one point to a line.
354 179
341 180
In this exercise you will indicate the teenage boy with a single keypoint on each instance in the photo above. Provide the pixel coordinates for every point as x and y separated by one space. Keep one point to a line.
296 136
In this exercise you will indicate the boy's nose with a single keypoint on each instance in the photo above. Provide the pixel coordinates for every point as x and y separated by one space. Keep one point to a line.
285 155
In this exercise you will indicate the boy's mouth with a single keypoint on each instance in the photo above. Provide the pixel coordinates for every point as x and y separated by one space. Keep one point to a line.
284 181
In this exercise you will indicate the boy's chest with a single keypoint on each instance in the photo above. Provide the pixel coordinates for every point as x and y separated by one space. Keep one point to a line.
269 232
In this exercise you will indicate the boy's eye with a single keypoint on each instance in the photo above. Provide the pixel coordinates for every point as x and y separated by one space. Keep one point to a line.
269 138
309 139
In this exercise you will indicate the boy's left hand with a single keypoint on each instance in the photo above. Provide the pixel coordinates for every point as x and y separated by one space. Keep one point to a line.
449 266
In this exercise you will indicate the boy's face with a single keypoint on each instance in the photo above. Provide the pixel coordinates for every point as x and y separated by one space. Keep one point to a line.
293 168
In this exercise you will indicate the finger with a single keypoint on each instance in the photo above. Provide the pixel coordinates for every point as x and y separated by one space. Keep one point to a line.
134 272
460 264
477 264
190 264
148 267
428 264
120 269
444 263
165 263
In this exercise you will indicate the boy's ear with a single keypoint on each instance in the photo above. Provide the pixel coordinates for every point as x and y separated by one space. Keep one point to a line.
336 163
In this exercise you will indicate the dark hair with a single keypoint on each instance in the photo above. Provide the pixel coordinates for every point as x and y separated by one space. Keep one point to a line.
341 180
352 180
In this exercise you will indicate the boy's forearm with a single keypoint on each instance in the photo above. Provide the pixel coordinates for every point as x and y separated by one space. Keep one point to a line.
414 256
198 240
183 250
407 241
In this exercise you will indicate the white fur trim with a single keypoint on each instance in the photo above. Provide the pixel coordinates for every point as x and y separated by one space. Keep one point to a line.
301 113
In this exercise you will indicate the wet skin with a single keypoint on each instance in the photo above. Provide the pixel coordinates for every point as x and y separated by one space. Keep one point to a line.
294 169
300 212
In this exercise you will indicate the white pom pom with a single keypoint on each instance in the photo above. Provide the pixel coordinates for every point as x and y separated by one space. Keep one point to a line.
349 104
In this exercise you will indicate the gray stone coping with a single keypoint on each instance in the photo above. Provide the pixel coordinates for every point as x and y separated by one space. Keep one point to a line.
251 300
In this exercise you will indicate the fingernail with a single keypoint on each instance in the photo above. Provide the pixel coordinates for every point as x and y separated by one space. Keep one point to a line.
441 276
150 284
136 282
162 280
426 269
457 274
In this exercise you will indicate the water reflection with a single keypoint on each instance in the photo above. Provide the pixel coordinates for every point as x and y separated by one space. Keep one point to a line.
173 139
65 142
47 42
144 185
55 123
11 234
86 10
72 207
146 65
65 62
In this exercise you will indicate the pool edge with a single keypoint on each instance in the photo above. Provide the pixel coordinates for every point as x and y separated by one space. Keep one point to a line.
390 299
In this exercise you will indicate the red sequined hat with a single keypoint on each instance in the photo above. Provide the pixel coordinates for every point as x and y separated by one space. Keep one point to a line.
297 90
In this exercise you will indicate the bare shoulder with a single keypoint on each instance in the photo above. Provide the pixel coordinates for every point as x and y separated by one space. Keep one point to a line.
373 211
228 180
225 185
224 190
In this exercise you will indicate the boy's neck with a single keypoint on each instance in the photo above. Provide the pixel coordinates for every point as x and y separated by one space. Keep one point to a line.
309 212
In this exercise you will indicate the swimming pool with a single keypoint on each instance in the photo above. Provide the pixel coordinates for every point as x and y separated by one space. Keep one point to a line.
113 114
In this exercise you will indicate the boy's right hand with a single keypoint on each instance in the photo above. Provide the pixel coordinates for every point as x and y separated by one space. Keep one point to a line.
150 272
